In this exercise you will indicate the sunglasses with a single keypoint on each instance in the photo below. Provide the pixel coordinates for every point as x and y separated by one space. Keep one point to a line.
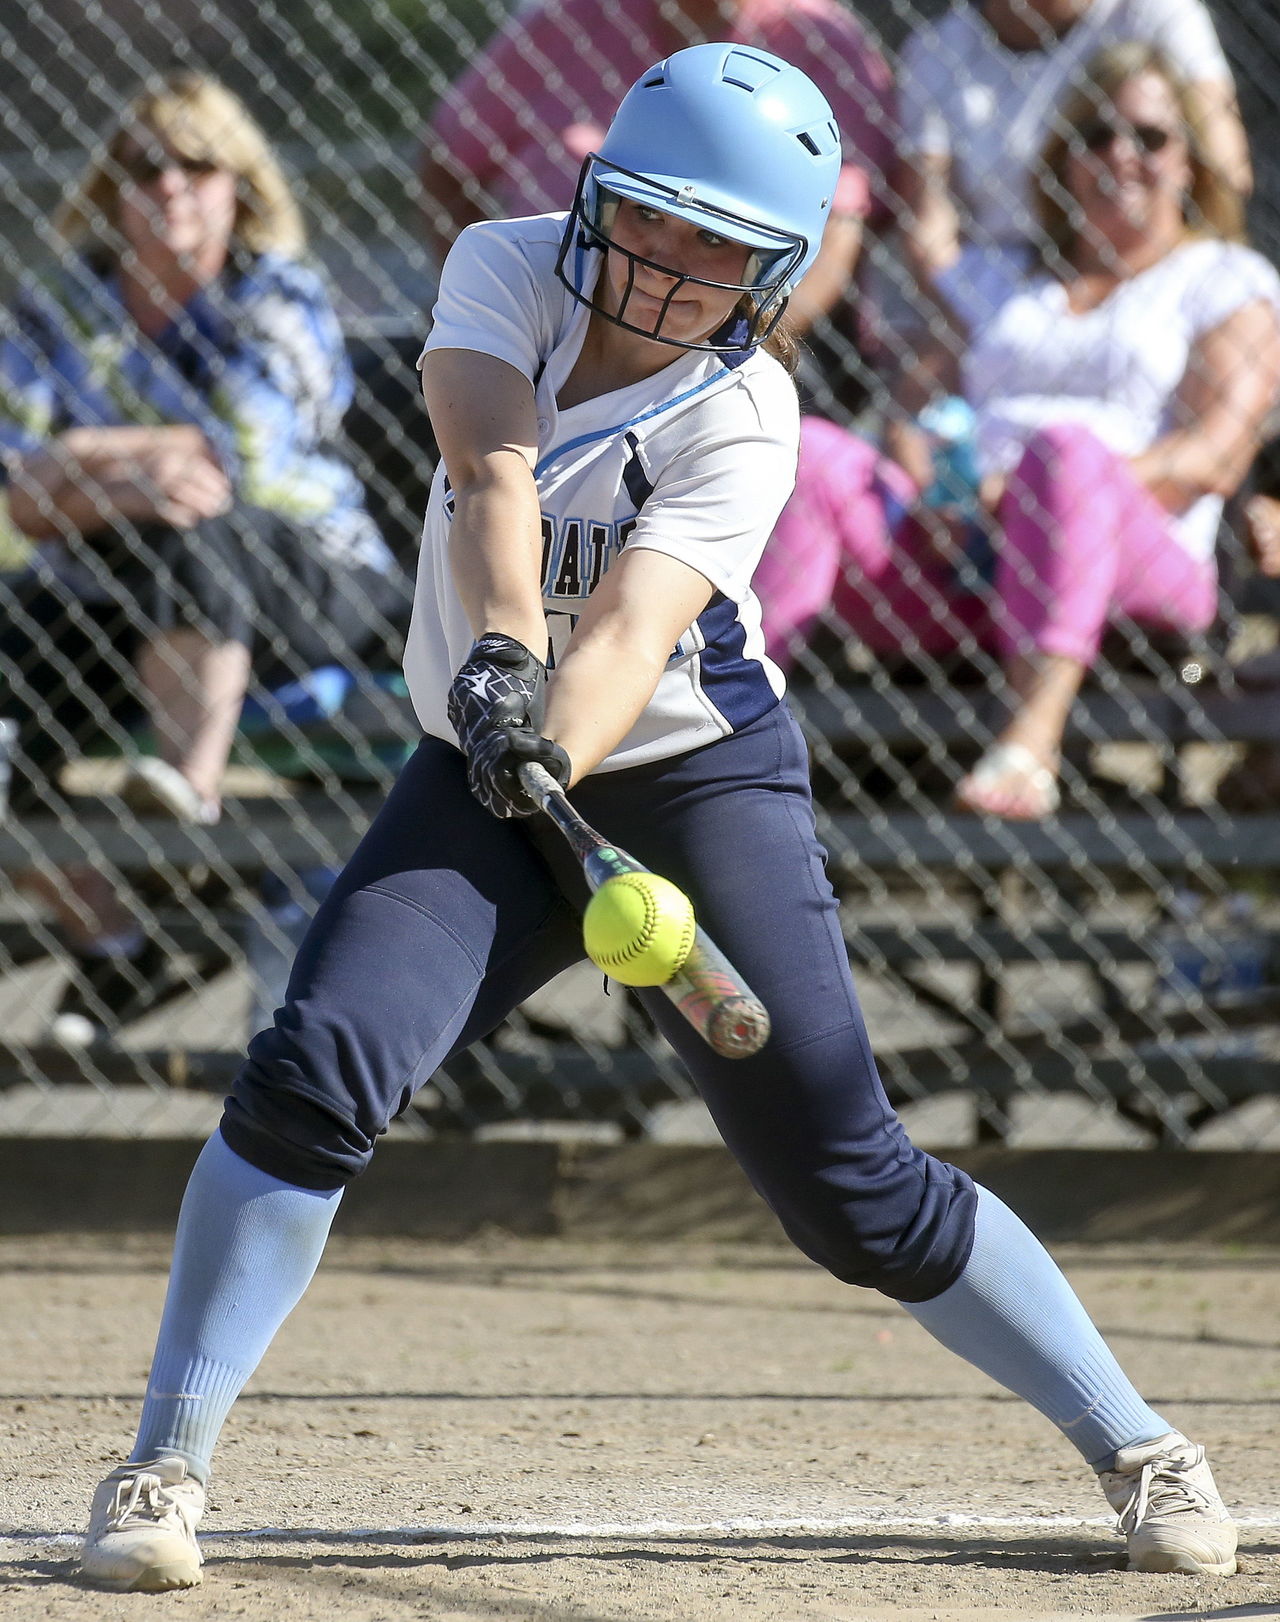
1099 133
145 168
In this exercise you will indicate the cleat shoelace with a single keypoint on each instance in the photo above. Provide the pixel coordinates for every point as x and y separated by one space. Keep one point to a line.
145 1499
1162 1486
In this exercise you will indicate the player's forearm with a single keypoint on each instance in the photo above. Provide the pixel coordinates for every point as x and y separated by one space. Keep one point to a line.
619 649
495 552
597 693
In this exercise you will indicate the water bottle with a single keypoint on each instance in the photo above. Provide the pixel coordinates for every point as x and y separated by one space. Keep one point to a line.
1245 951
950 425
290 902
1187 976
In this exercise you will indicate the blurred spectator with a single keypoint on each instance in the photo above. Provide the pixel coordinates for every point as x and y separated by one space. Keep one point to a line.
1253 783
510 137
977 90
1117 400
1262 512
169 398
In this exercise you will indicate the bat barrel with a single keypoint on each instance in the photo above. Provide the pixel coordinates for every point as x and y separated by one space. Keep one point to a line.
707 990
717 1004
738 1027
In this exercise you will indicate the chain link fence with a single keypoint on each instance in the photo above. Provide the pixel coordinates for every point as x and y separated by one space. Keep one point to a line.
1110 972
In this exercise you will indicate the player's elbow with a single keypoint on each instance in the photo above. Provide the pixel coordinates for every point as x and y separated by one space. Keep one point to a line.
479 477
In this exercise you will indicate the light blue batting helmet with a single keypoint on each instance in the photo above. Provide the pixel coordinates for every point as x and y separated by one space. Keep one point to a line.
733 140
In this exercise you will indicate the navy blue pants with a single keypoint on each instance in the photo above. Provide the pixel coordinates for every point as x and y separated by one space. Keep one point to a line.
446 918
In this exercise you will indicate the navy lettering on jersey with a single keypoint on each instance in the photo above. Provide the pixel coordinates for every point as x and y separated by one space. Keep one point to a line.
548 541
597 552
568 581
575 554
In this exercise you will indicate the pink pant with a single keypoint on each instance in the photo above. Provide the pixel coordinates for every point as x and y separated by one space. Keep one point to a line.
1082 544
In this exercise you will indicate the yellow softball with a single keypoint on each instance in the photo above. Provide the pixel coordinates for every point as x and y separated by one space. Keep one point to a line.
639 929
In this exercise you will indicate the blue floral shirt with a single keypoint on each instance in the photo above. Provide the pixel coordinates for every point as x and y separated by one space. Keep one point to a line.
256 360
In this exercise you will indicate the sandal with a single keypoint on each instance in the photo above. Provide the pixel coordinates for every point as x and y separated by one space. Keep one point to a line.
153 787
981 790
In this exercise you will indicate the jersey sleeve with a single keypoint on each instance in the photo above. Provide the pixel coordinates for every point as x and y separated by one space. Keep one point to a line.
489 300
1184 31
715 503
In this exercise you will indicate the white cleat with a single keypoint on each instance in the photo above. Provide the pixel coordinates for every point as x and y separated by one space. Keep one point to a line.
1170 1510
142 1529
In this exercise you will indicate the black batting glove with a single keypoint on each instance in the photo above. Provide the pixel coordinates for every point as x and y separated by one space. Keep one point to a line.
493 769
496 708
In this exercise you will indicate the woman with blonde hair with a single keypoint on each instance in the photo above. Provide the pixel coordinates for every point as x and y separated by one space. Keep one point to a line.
1116 399
980 89
169 395
207 129
1119 401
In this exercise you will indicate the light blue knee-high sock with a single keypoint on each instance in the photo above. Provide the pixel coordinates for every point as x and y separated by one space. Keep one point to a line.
1013 1315
246 1249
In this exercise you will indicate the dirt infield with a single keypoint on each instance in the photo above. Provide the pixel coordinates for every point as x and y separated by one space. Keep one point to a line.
574 1433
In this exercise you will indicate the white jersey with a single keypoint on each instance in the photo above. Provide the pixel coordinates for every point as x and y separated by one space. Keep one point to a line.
695 462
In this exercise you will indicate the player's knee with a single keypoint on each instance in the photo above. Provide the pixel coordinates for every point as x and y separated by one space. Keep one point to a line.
909 1240
295 1139
288 1126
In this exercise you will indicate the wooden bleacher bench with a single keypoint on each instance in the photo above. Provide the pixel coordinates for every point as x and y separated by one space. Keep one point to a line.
1143 846
1137 710
559 1080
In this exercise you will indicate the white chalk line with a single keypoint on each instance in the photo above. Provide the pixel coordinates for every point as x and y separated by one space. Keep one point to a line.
589 1531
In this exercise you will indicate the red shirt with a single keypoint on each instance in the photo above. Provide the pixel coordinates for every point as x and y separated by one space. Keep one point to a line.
539 97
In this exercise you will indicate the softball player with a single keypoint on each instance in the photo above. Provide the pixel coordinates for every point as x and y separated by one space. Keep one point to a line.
617 441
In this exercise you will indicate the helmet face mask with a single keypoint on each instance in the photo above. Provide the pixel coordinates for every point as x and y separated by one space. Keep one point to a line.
727 139
772 258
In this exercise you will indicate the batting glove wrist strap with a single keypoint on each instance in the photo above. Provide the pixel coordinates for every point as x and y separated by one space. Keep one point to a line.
496 707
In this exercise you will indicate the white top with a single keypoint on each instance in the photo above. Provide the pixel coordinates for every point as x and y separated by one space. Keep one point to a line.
963 95
1116 368
695 462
